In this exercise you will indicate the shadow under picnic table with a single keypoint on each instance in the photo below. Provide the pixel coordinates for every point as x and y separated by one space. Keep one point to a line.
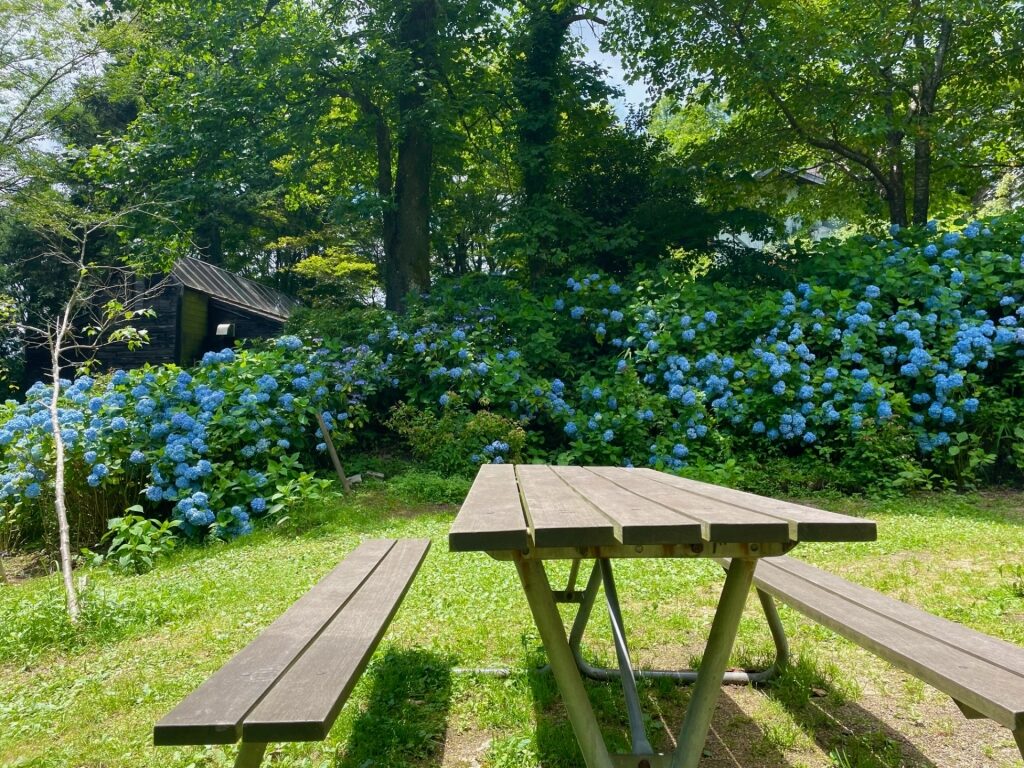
734 741
852 735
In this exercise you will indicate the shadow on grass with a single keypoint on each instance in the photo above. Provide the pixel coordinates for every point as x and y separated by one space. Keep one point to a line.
734 740
848 733
405 716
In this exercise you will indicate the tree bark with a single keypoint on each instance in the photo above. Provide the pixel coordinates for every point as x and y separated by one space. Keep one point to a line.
537 90
922 177
928 91
407 265
60 501
896 200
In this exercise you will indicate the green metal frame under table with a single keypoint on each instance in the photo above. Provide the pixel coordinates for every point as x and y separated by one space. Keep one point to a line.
586 599
567 664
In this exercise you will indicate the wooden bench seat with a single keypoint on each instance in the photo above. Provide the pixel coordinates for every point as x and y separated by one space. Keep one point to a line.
290 682
983 675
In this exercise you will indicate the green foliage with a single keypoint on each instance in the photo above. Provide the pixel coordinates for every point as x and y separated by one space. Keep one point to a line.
418 487
234 437
137 542
1014 573
47 46
457 441
336 278
770 86
37 622
889 365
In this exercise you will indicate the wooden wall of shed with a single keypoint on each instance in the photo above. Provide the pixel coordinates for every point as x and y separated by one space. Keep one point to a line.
163 335
193 326
247 325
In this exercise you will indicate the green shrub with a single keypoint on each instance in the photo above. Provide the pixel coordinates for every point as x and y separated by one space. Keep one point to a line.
429 488
458 440
136 543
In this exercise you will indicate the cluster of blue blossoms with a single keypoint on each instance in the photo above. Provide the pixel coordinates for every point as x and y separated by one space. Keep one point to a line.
197 443
916 342
919 331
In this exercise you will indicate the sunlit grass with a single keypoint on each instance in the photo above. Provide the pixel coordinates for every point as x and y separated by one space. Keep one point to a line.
89 696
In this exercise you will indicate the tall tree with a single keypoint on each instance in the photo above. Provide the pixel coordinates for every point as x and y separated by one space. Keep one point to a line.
911 101
46 46
272 122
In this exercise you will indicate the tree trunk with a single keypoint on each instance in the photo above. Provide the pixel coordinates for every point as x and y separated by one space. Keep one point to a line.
896 199
460 254
407 266
922 178
60 503
537 90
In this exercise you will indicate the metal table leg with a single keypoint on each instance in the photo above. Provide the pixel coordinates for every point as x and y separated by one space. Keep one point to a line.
695 727
682 676
552 632
637 732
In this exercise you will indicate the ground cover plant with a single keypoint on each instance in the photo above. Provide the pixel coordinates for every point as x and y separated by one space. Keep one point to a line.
90 695
895 361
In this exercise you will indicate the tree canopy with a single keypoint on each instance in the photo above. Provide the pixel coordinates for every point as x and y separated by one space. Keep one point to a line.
907 108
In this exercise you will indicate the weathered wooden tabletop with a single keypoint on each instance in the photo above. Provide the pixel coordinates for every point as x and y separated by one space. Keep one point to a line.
559 511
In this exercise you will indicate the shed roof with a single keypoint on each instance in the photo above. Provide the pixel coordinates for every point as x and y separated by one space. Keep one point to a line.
233 289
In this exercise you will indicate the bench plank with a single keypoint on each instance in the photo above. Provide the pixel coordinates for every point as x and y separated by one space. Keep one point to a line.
212 714
492 517
637 520
720 522
921 648
985 647
304 703
805 523
558 516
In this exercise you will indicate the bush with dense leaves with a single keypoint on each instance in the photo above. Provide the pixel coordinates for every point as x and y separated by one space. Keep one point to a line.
894 361
208 447
882 352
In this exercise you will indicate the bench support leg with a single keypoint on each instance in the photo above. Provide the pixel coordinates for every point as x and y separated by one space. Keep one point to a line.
726 623
1018 736
250 754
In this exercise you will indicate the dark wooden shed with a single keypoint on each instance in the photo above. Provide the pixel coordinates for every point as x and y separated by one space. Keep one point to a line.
201 308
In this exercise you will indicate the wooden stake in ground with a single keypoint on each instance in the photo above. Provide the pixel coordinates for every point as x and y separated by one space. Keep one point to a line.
334 454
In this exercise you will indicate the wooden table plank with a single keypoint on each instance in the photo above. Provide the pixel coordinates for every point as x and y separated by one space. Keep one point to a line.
637 520
805 523
212 714
492 517
306 700
557 515
720 522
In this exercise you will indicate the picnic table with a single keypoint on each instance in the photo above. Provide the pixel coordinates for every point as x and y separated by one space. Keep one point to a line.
531 513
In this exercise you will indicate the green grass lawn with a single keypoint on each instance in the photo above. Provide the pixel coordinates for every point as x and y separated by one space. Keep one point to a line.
89 697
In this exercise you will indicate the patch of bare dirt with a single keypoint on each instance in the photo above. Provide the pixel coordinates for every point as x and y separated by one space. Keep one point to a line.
20 567
465 747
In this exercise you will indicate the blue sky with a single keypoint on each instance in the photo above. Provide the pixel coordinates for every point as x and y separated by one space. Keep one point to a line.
636 93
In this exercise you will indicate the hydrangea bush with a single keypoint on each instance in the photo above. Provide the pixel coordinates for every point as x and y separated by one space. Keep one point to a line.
919 336
206 446
906 351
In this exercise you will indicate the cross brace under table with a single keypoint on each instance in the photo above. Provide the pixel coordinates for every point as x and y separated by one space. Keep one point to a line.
567 662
